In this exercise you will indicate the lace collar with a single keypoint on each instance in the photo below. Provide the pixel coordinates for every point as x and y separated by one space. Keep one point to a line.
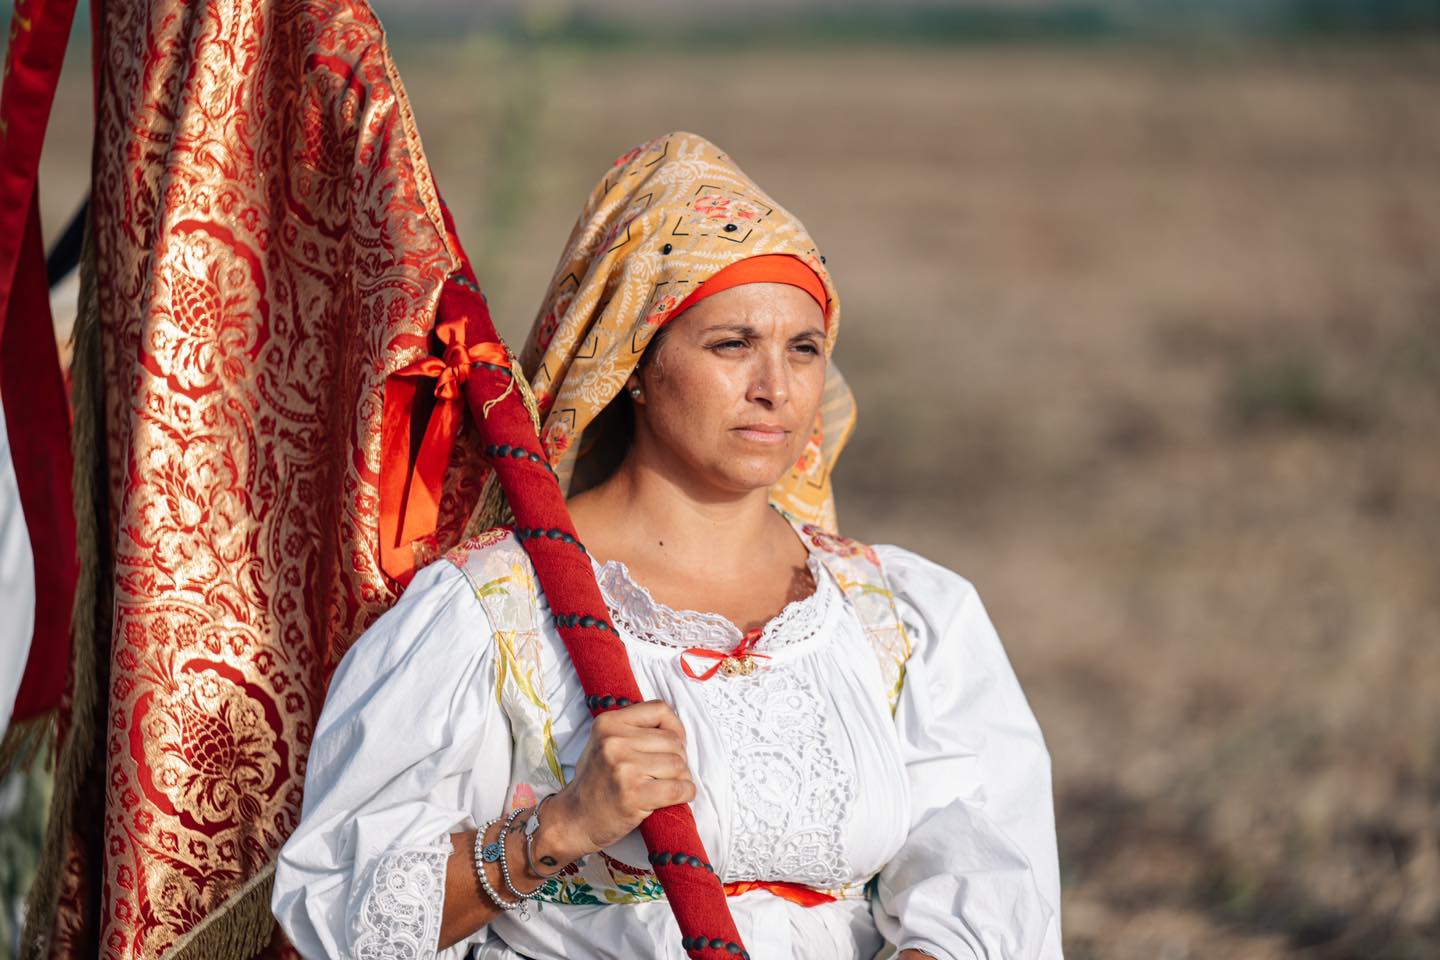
640 615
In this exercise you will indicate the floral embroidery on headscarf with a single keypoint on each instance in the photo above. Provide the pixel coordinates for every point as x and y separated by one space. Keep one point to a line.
661 311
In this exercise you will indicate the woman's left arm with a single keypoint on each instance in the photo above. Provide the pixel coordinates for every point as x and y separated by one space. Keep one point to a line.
409 748
978 876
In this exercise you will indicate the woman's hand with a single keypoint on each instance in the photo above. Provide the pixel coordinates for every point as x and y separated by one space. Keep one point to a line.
914 955
634 764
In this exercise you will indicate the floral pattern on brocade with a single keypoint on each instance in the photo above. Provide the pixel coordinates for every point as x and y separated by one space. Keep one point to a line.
268 246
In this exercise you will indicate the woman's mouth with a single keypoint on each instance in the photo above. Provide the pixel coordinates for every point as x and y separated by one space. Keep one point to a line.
771 433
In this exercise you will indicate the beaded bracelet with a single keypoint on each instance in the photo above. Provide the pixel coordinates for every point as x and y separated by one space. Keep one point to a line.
490 853
505 866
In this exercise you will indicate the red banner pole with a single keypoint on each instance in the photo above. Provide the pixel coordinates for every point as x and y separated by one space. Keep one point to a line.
543 525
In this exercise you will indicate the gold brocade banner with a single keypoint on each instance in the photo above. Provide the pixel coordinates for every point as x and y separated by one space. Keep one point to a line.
266 245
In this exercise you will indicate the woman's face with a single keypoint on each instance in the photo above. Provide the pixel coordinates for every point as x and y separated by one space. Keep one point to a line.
729 398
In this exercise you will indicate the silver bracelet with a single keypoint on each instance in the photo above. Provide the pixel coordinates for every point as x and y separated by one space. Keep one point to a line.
489 853
532 827
505 866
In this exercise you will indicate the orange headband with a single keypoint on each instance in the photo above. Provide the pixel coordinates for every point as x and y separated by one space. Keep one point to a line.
766 268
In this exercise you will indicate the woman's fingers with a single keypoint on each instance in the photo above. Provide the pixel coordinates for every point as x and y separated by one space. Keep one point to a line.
634 769
671 792
655 740
662 766
650 713
634 764
648 781
651 795
668 721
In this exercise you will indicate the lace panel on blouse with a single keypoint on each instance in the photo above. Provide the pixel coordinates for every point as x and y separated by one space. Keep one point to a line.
793 796
640 615
399 918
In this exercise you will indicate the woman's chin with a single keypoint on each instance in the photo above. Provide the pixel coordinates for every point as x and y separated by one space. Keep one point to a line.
747 474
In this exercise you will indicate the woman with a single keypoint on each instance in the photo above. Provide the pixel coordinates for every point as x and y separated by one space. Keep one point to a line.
860 760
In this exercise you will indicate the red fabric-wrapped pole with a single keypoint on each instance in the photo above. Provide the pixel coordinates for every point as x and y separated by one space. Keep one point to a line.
545 530
543 526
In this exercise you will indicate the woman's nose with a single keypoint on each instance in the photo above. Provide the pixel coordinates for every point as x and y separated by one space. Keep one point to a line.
770 383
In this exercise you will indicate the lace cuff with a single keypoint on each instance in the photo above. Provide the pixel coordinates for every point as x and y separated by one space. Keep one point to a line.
399 917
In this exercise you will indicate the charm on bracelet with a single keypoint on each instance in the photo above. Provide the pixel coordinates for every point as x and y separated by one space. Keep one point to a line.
482 853
522 898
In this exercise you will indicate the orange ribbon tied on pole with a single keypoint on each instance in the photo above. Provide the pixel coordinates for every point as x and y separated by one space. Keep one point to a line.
739 661
410 487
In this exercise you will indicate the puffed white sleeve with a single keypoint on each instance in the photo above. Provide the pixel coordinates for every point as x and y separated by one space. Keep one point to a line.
978 875
410 743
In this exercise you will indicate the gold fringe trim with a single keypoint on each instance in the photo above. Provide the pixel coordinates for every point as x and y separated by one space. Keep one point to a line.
88 633
532 406
24 741
493 510
488 405
237 929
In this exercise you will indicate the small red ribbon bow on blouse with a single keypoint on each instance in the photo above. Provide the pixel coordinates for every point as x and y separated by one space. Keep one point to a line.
739 661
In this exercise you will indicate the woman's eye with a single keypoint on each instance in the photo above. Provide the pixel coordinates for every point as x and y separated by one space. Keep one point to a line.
729 344
808 347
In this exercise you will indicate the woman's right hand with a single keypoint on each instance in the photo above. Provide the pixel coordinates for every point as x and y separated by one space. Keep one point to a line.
634 764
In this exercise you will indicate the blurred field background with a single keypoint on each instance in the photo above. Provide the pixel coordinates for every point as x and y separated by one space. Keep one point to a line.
1142 309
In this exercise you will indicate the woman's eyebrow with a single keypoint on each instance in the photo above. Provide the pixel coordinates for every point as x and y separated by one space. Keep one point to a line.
745 330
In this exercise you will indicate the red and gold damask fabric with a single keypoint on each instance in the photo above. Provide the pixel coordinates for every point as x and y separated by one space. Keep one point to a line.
268 246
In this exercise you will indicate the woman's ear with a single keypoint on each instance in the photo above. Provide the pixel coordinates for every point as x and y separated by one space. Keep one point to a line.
632 387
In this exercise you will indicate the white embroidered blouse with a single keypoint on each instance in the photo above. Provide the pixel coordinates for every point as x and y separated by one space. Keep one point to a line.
803 773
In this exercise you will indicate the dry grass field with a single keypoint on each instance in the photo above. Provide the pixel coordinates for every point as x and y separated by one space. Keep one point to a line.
1147 345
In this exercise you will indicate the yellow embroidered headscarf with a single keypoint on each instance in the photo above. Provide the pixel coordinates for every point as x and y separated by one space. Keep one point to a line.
669 215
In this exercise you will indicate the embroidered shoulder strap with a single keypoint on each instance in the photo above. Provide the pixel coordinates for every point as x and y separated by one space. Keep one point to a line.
857 569
504 582
500 573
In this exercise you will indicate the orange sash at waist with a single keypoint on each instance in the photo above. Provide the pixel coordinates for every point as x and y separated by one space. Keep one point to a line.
794 892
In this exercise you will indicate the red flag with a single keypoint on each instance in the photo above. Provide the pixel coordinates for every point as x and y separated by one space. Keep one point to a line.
31 386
